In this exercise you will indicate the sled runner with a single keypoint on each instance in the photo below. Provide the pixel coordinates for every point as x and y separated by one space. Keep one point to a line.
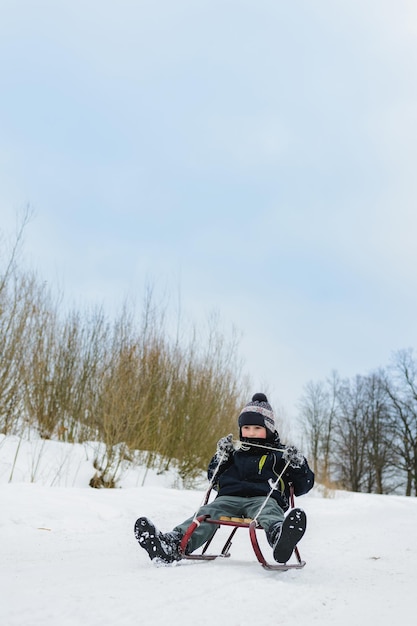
235 524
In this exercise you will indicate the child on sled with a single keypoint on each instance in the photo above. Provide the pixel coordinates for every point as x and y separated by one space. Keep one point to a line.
242 475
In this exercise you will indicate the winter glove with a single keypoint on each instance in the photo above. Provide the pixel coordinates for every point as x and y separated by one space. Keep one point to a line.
224 447
292 456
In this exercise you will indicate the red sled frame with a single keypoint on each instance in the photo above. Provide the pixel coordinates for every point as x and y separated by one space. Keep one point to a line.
252 525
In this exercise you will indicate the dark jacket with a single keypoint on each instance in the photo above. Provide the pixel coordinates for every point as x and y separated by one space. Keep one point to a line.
247 473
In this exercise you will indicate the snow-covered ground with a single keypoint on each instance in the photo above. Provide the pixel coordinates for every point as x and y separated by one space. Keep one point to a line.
68 555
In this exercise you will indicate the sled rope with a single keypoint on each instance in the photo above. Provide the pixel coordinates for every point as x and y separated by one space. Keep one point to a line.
274 486
243 445
210 486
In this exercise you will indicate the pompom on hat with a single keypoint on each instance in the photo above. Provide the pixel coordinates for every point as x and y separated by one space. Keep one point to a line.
258 412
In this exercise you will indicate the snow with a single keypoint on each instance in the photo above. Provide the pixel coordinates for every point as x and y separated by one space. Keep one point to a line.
69 556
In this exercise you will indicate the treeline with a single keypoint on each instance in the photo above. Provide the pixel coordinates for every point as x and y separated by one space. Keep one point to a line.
125 382
362 432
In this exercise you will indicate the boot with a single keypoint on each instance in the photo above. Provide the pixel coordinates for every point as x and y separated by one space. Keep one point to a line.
163 548
284 536
273 533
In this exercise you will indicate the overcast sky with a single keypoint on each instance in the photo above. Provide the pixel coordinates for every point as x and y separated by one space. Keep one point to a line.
257 157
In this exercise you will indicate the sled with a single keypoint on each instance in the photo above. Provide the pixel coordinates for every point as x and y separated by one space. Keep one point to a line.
236 523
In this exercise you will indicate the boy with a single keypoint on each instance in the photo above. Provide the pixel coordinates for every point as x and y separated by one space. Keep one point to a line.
242 477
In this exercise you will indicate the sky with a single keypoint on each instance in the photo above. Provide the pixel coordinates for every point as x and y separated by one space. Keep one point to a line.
250 158
69 556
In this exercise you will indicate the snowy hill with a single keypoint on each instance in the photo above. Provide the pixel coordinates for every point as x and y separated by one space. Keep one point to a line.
69 557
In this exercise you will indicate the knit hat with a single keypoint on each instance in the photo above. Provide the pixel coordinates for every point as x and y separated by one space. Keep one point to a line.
258 412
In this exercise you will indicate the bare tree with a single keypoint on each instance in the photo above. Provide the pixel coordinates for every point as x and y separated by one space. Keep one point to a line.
351 435
318 409
16 310
401 387
16 299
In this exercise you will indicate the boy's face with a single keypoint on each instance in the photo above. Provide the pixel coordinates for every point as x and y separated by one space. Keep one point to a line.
254 432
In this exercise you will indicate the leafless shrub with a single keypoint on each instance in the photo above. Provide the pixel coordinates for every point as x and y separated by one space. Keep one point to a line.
129 385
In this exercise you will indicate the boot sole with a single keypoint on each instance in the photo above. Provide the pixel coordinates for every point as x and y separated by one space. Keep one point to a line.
148 538
293 528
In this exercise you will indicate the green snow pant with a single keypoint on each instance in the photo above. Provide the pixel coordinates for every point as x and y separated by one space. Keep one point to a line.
231 506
